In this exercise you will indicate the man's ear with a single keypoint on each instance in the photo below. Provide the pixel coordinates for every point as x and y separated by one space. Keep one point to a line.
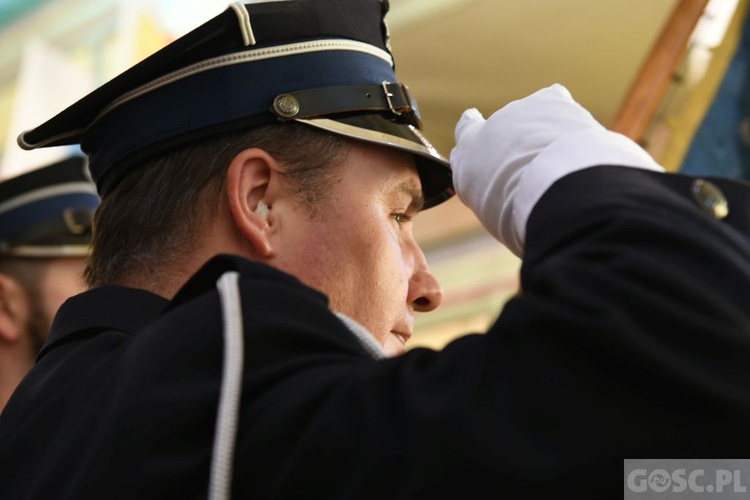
14 309
249 176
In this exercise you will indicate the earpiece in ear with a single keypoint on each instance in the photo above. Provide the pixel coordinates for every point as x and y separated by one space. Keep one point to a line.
262 210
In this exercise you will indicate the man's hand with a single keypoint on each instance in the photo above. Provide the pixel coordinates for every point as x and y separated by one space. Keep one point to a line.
503 165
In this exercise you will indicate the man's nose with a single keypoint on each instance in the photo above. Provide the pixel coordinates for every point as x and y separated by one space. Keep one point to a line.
425 292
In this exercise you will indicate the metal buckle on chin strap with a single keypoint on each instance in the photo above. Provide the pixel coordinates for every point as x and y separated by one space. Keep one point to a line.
410 114
388 96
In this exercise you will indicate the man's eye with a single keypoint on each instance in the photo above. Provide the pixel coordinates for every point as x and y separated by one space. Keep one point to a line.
402 218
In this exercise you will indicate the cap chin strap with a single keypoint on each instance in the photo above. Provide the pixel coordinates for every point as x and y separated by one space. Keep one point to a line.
393 98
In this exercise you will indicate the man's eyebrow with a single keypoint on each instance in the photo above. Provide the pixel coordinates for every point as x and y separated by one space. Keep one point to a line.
415 193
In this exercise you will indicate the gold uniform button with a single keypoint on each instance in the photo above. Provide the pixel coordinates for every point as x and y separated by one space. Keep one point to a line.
710 198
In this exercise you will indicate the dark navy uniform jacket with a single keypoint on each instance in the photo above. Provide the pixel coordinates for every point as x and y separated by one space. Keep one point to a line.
630 339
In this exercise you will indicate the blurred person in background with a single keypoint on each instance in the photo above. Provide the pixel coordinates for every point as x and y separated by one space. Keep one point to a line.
45 232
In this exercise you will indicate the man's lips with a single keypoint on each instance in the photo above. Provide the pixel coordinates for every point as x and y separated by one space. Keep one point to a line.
402 336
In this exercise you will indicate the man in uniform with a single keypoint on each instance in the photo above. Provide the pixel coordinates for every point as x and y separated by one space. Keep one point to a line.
254 277
45 231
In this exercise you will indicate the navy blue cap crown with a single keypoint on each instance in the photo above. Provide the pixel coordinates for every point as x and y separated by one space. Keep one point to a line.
47 212
325 63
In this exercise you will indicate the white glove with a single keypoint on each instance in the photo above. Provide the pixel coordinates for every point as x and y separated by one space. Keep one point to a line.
502 166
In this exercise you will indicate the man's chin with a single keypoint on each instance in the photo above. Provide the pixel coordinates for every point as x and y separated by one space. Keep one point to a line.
395 344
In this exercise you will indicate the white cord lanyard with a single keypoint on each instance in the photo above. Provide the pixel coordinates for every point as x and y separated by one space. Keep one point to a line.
222 461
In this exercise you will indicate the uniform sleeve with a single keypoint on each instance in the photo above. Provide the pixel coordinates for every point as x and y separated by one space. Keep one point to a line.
573 152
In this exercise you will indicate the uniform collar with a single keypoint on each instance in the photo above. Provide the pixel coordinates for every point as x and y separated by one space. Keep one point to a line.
105 308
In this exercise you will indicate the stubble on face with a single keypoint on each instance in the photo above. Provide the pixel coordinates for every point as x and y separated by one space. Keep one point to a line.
355 248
